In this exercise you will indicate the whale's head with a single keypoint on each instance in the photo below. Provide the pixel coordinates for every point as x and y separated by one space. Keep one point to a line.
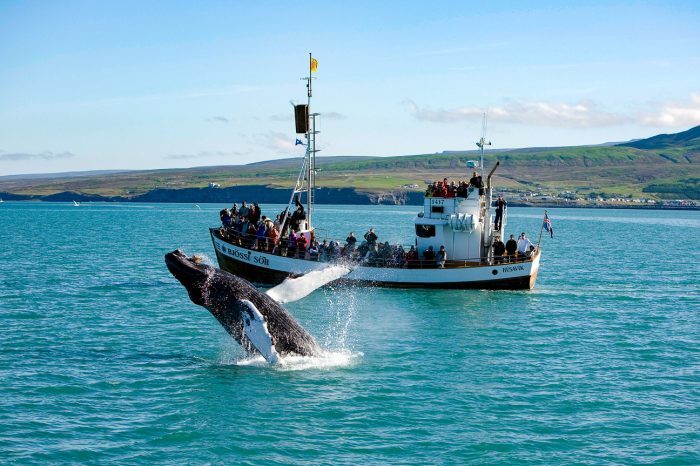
190 272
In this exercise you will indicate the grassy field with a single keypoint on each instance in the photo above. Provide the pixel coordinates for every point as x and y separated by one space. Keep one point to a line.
668 172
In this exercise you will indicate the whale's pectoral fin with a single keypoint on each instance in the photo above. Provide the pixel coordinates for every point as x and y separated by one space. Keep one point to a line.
256 332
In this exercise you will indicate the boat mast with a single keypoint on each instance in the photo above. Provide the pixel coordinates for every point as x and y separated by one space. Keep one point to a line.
311 145
306 181
482 142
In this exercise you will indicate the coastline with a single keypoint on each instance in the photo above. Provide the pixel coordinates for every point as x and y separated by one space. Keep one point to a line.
337 196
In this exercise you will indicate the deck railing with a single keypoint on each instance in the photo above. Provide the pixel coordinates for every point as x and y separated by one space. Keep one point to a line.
347 254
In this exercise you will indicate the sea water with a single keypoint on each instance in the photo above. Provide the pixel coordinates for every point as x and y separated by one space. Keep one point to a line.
104 358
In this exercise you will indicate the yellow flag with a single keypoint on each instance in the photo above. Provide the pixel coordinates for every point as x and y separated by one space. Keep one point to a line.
314 65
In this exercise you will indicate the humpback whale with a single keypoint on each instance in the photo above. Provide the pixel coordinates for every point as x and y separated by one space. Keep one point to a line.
255 320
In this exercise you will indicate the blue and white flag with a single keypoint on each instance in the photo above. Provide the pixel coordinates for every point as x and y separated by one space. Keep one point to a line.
548 225
298 142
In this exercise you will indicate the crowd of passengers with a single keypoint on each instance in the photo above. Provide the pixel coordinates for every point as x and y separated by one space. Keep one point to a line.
245 226
455 189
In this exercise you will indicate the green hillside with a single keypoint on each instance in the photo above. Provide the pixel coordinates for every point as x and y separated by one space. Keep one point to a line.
687 138
662 167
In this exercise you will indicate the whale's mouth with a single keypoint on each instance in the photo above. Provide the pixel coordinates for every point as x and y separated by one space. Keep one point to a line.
188 272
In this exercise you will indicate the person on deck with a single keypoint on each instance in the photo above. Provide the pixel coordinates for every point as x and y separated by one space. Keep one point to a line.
244 232
301 246
251 213
313 250
499 250
273 234
350 241
441 257
225 216
234 210
284 221
333 251
251 235
244 210
261 235
298 215
443 189
371 237
511 248
462 189
256 214
452 190
400 257
476 182
292 244
411 257
429 256
524 245
500 208
323 251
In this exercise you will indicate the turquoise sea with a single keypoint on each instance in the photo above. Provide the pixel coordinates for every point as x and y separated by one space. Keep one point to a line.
103 358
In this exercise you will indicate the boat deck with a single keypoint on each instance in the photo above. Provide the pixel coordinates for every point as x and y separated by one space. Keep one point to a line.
248 243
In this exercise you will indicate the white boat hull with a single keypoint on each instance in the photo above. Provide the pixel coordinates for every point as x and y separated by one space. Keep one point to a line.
264 267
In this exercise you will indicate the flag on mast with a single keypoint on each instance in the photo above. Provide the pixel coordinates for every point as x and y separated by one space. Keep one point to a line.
548 225
314 65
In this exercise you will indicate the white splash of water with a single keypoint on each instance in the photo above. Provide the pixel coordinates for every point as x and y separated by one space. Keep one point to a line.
326 360
293 289
342 305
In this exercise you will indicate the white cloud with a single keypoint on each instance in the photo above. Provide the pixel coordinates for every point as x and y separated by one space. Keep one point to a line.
290 116
678 115
204 155
278 142
282 117
583 114
217 119
46 155
333 116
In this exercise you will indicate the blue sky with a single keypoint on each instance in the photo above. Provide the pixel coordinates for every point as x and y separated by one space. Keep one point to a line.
132 85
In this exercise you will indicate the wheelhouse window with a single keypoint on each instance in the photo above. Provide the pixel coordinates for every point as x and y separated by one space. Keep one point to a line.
425 231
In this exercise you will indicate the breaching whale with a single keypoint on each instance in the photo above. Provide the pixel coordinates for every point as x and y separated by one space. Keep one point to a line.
255 320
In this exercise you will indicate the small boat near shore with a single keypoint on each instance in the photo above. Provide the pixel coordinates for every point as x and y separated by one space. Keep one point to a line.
457 223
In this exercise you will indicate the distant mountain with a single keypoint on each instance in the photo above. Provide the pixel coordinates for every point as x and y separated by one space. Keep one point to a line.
665 141
294 161
51 176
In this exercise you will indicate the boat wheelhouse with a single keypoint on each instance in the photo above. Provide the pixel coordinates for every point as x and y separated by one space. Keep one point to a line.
462 222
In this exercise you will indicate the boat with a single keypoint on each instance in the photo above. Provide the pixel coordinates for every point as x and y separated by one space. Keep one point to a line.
463 224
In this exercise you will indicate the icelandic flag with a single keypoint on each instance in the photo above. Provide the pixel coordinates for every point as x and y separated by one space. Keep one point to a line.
548 225
298 142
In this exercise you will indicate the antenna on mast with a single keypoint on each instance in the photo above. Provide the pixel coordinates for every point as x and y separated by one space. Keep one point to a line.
482 142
